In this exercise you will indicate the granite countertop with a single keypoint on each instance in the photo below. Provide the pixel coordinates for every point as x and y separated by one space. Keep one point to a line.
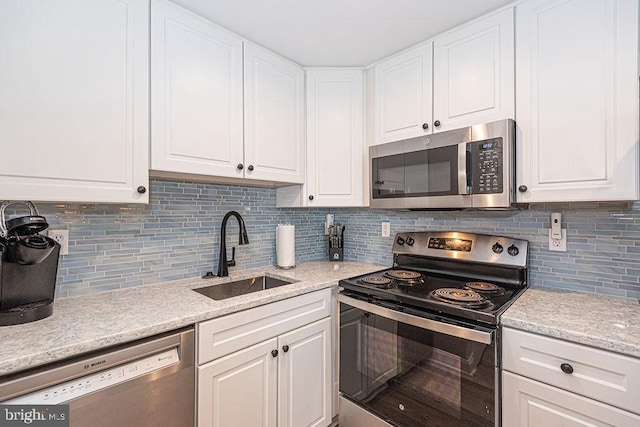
90 322
605 322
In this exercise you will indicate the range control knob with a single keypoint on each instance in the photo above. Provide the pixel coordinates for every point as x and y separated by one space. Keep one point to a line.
513 250
410 241
400 240
497 248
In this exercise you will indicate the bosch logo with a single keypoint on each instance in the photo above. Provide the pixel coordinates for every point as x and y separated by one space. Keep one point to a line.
94 364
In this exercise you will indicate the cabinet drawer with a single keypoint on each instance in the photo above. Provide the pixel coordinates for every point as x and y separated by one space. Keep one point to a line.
224 335
528 403
608 377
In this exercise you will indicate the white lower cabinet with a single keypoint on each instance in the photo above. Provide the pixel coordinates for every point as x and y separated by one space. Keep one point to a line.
240 389
283 380
528 403
549 382
304 376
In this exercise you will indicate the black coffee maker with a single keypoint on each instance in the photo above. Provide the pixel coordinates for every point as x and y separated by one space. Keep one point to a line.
28 267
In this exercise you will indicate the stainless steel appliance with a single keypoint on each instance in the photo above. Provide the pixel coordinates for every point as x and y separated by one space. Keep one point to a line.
28 267
472 167
419 342
146 383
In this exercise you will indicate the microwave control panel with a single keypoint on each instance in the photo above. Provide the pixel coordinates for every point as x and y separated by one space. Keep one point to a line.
487 166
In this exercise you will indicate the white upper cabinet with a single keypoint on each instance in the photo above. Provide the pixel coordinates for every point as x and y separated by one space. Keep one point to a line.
222 107
335 144
74 100
473 73
403 95
336 153
461 78
274 117
577 100
196 94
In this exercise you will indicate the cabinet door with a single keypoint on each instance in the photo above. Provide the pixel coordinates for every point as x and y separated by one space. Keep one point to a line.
240 389
473 74
335 146
274 117
528 403
74 111
577 100
404 95
196 94
304 376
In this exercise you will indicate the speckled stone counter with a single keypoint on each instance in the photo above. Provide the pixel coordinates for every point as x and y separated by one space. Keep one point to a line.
600 321
85 323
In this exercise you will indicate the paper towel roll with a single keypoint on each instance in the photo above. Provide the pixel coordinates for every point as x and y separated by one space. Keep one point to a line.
286 246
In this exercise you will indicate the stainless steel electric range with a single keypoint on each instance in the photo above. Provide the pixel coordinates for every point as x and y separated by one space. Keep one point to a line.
419 342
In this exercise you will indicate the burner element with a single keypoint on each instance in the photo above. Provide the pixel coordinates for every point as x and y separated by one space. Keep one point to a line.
402 274
376 280
462 297
485 287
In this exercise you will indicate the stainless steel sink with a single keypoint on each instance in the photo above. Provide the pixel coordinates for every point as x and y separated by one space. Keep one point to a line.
241 287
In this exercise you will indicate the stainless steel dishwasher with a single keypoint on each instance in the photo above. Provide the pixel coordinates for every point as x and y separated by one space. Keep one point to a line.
149 382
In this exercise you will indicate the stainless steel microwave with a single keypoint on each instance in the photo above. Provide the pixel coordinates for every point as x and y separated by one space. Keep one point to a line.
472 167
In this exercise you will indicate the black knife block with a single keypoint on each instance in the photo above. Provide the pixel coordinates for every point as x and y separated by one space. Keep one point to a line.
336 254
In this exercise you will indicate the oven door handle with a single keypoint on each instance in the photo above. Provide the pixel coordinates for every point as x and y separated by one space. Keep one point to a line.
420 322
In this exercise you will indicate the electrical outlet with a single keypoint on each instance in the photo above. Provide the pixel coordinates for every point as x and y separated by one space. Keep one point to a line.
558 245
386 229
62 237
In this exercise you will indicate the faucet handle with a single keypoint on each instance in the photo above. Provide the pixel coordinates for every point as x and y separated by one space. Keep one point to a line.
232 262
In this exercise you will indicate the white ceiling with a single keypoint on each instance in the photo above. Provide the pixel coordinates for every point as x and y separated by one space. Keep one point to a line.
339 33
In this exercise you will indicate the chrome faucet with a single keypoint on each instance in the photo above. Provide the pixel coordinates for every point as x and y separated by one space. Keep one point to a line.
243 239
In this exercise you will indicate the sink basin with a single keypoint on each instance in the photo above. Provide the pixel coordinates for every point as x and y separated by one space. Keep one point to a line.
241 287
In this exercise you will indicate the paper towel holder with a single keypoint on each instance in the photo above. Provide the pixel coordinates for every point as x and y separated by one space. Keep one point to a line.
278 262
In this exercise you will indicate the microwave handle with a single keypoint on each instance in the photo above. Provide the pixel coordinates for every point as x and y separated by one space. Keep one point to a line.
462 168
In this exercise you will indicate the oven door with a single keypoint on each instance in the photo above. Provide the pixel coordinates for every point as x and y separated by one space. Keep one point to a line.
414 371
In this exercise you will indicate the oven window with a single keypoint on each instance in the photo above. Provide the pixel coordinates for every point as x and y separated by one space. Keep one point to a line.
418 174
413 376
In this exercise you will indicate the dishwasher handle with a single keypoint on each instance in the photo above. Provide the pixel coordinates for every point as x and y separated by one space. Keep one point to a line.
61 372
85 385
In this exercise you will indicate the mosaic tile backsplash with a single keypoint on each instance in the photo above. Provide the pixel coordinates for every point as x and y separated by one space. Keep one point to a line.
177 236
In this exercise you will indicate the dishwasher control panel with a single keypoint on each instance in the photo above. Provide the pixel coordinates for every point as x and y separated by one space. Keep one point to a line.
73 389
